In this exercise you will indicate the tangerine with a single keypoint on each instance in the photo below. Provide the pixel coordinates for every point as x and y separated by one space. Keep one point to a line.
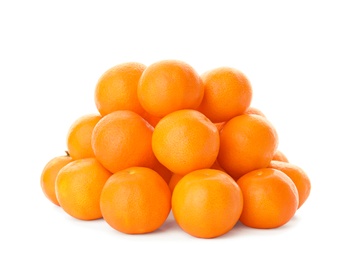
169 85
228 93
270 198
185 140
78 188
207 203
122 139
247 142
116 89
135 200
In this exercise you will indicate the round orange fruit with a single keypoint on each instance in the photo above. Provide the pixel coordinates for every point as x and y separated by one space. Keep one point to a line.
122 139
78 188
270 198
169 85
135 201
116 89
207 203
185 140
247 143
228 93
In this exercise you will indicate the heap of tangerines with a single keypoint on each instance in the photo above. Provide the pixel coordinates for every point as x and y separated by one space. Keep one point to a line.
167 138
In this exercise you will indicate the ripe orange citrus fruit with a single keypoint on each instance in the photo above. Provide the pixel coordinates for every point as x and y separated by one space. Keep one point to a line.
207 203
169 85
270 198
135 201
79 136
122 139
297 175
185 140
78 188
116 89
247 142
49 175
227 94
168 138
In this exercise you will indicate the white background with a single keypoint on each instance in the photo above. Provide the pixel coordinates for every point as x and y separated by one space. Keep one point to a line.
52 54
